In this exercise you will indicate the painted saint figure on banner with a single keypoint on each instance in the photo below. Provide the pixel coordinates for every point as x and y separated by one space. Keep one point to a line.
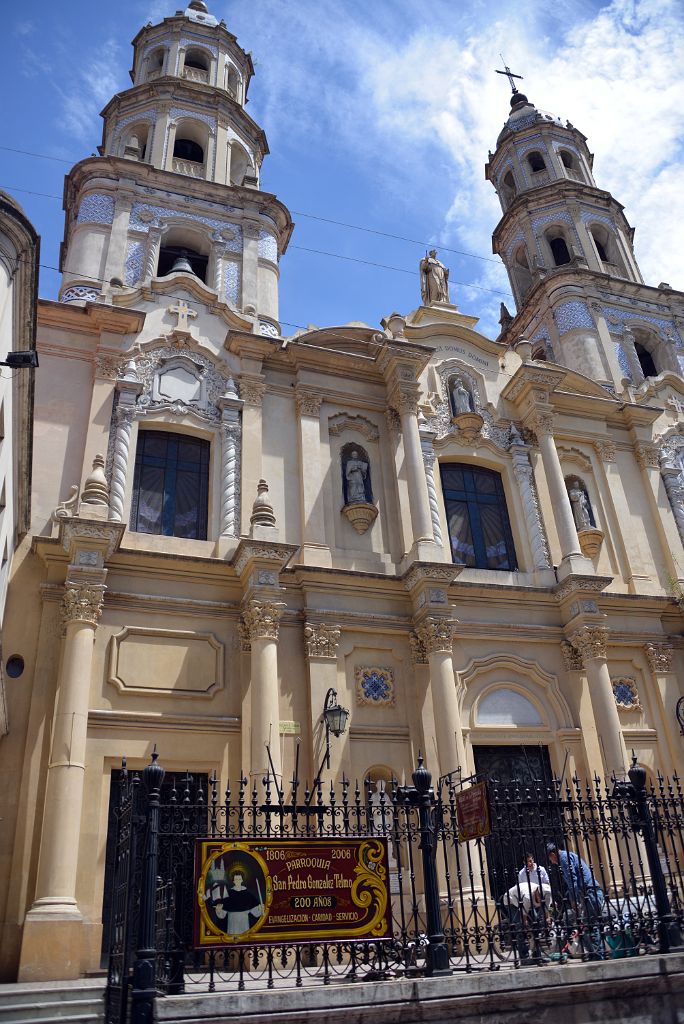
233 906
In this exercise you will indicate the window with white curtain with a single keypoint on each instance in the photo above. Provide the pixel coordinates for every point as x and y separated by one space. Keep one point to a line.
479 528
171 485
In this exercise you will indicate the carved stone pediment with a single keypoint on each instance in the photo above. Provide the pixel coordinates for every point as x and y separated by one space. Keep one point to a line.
180 379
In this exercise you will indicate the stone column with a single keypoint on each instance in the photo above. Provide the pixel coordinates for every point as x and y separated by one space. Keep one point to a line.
672 480
252 389
321 642
648 458
261 620
128 388
250 267
590 641
118 239
633 364
51 942
427 448
436 634
542 423
659 658
524 475
231 436
419 501
315 550
170 143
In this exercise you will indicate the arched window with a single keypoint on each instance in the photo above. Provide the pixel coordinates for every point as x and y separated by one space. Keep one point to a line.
646 361
356 475
181 248
240 163
188 149
559 250
508 188
196 66
170 485
600 248
479 528
571 165
582 512
521 270
232 80
155 63
536 162
135 144
539 353
504 706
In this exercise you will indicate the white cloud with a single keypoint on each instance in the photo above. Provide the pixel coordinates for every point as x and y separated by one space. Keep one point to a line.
407 85
87 92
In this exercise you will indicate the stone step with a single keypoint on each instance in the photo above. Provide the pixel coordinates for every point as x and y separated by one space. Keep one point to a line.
79 1002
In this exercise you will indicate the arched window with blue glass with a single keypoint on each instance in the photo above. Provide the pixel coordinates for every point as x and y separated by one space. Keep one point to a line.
477 517
171 485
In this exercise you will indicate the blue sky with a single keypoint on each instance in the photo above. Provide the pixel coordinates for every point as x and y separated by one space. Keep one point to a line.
380 115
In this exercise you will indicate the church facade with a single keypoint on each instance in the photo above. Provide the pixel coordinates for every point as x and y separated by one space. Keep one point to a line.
475 544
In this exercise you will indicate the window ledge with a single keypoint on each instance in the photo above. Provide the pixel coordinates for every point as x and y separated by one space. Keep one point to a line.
497 577
134 541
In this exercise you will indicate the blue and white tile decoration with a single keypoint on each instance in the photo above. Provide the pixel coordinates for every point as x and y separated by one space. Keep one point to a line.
622 360
134 263
200 42
80 293
161 213
176 113
268 247
572 315
374 685
597 218
231 282
617 319
96 209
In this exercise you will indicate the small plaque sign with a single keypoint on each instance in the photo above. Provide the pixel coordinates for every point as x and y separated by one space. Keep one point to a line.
472 812
286 890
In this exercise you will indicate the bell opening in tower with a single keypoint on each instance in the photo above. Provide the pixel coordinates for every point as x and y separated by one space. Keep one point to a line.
175 258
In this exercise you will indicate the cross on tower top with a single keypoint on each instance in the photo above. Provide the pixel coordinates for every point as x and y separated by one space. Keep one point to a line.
509 74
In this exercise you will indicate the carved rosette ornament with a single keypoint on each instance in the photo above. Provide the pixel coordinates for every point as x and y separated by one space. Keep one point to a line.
321 640
82 603
590 642
659 657
647 455
436 635
261 620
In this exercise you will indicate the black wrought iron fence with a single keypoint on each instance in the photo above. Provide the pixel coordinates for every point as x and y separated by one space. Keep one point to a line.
567 871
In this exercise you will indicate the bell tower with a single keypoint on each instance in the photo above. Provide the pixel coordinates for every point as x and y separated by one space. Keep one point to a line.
568 250
175 189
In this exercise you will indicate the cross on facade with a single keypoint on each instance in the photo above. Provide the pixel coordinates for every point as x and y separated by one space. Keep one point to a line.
676 404
509 74
182 311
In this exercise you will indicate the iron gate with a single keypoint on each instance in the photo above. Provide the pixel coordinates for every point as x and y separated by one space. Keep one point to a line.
455 906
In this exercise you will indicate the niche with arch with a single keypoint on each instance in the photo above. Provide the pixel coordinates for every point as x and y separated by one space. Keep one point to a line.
508 188
182 243
645 348
357 487
240 164
605 244
590 537
232 81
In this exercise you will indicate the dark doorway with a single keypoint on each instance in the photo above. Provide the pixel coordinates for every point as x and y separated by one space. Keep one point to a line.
181 783
525 811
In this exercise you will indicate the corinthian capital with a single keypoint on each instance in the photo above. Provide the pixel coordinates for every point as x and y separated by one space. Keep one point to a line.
308 403
647 455
418 652
436 634
659 657
82 602
590 642
321 640
541 421
261 620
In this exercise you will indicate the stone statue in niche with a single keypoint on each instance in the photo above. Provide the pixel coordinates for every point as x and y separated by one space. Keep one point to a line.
355 474
357 492
434 279
460 398
580 508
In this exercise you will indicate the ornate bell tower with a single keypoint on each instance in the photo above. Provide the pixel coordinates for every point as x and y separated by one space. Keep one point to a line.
568 251
175 190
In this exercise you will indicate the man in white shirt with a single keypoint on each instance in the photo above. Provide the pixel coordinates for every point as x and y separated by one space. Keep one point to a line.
527 901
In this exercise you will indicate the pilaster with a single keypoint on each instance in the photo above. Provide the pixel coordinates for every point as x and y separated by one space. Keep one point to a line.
321 644
314 550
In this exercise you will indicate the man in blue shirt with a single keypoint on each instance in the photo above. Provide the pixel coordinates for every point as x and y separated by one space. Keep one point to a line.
585 895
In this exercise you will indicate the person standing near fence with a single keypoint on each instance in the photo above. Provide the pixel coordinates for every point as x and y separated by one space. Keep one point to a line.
585 895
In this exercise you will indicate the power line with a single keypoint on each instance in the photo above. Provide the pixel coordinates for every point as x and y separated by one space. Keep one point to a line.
317 252
301 213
